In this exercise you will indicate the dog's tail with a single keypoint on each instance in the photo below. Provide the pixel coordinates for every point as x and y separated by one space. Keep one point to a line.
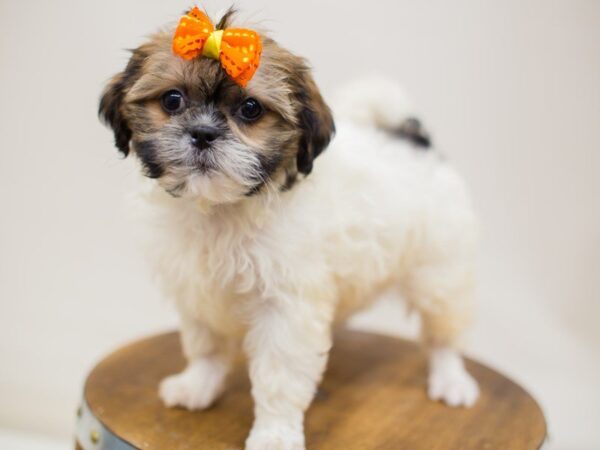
381 103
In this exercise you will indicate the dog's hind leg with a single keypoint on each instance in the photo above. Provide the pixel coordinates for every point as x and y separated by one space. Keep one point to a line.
448 379
442 293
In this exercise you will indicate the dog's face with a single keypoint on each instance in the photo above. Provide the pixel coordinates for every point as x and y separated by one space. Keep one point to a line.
201 135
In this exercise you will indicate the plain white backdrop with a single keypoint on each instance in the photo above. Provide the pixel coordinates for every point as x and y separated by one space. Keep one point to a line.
510 91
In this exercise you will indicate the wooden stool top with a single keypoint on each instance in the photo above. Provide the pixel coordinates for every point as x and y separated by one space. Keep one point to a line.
373 396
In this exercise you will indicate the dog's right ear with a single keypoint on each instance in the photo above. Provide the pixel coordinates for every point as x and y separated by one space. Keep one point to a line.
111 102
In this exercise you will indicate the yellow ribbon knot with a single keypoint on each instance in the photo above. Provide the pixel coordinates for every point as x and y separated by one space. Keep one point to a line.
212 46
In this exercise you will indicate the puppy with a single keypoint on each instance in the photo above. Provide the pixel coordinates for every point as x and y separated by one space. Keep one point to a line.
264 240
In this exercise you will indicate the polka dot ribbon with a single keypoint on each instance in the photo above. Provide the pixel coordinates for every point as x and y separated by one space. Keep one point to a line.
237 49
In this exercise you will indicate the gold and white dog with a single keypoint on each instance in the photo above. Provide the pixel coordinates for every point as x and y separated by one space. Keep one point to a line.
264 247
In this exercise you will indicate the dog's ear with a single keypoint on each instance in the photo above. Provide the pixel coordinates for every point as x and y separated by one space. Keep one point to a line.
111 101
314 119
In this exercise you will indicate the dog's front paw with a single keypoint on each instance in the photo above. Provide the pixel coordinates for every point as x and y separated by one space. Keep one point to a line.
197 387
450 382
275 437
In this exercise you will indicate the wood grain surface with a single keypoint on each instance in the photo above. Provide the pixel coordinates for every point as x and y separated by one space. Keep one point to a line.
372 397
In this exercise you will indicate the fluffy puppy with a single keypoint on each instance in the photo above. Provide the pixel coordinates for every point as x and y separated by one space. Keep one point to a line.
264 241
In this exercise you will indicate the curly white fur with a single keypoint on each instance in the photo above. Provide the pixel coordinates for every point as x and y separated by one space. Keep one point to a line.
273 272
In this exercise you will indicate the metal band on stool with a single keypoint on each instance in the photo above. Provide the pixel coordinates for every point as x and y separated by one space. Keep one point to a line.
91 434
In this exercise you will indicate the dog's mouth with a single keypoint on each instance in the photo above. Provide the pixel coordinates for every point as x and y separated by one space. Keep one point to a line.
204 162
205 165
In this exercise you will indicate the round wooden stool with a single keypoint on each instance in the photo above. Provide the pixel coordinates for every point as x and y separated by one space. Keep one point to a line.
373 396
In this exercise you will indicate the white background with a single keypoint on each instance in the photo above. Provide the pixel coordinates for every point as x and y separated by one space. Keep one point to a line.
510 91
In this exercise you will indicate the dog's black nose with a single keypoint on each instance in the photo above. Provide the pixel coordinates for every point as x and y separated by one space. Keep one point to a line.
203 137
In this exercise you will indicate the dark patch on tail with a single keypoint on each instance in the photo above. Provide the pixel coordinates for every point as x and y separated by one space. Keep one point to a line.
413 131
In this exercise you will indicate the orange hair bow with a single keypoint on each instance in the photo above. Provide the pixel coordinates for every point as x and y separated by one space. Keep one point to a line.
237 49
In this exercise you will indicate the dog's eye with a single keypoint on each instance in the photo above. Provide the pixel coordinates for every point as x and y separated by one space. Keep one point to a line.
173 102
250 109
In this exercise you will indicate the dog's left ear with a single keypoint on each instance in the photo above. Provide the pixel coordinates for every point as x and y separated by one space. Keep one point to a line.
314 118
